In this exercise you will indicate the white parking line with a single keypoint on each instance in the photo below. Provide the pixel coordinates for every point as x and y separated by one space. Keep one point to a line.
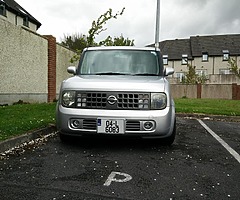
221 141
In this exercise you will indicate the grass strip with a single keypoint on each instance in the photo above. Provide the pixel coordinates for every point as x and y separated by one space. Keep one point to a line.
208 106
18 119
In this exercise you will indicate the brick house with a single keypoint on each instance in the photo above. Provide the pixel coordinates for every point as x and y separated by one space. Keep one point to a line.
14 13
209 54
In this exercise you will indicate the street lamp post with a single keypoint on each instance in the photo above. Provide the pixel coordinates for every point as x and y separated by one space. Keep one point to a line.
157 25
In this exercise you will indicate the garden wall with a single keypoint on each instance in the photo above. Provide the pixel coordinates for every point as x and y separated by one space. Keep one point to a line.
206 91
31 66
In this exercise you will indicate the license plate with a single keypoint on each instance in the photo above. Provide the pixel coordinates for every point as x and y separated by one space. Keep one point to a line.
111 126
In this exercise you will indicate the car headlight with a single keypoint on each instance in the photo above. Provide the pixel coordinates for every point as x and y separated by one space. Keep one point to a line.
158 101
68 98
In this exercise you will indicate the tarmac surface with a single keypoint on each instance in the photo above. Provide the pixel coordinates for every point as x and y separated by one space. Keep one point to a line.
196 166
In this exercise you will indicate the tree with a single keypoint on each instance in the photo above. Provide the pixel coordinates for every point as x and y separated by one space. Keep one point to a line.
117 41
78 42
233 67
192 77
75 42
97 26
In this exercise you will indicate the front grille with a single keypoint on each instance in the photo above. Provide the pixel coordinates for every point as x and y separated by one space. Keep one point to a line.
133 126
133 101
113 100
91 100
89 124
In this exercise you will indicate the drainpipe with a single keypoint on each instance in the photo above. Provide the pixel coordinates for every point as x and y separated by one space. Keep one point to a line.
213 65
16 20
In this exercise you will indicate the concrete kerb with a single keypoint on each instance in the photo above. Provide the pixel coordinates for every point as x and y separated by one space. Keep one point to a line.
16 141
209 117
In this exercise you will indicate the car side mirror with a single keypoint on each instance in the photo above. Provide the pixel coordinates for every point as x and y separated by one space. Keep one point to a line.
168 71
72 70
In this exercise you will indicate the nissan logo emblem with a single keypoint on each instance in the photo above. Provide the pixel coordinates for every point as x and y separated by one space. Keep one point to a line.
112 100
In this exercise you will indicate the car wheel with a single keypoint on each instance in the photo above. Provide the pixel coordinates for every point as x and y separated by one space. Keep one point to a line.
169 140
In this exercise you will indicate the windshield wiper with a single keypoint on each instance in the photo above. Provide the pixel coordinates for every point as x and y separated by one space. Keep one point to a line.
145 74
110 73
118 73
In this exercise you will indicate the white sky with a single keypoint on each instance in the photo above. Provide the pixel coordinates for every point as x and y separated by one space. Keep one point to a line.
179 18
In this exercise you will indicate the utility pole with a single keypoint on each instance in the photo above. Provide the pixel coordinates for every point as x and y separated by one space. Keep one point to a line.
157 25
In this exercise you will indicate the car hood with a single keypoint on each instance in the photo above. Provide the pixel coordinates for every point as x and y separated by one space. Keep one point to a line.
115 83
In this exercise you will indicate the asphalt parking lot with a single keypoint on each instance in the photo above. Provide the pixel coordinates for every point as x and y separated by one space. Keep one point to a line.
203 163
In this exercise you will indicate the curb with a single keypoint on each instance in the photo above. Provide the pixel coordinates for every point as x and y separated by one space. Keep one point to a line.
210 117
16 141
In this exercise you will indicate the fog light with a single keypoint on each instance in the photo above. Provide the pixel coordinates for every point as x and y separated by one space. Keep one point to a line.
75 123
149 125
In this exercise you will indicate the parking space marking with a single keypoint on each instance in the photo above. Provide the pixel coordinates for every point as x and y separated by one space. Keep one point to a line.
112 178
221 141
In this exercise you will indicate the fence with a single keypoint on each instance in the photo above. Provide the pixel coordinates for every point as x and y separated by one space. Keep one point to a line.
206 91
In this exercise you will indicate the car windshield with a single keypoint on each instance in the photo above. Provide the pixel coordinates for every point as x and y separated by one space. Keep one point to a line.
120 62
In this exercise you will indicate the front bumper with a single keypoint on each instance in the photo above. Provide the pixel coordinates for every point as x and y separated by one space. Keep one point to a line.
163 121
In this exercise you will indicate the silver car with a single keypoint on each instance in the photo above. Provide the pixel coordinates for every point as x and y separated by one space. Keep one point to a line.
117 91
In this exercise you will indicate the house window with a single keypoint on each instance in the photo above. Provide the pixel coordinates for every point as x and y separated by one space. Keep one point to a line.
25 21
204 56
184 59
3 10
201 72
225 55
225 71
165 59
180 76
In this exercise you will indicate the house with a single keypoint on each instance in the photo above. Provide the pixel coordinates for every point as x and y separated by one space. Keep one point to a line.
209 54
14 13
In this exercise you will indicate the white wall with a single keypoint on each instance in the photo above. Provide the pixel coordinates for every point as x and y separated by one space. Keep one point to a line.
23 62
63 62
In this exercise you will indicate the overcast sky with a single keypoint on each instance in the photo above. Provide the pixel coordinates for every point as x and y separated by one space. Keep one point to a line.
179 18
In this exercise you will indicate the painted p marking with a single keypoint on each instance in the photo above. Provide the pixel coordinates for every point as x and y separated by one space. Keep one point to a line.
112 178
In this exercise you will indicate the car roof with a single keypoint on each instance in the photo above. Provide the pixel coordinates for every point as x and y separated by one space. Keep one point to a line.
120 48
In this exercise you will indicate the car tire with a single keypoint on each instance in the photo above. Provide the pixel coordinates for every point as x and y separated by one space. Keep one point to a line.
169 140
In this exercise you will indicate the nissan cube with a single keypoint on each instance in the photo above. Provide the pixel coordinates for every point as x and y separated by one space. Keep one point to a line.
117 91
